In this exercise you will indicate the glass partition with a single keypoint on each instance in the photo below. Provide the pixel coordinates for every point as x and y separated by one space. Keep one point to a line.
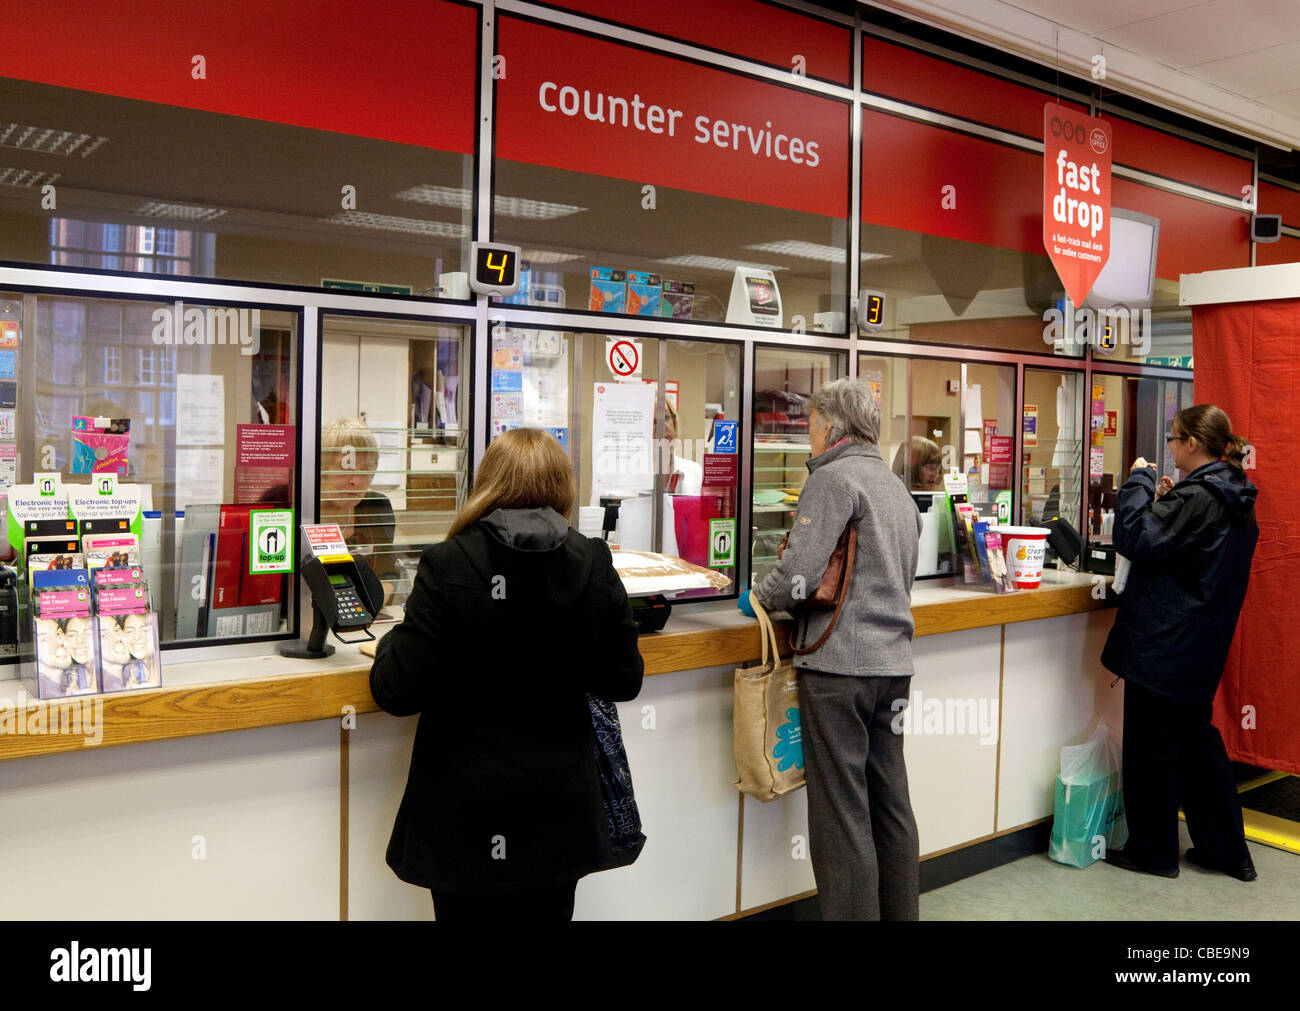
943 416
153 187
655 451
1160 335
394 437
1130 418
783 381
1055 447
192 410
642 184
939 290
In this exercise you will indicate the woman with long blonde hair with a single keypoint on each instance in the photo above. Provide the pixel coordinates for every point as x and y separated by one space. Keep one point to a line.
513 620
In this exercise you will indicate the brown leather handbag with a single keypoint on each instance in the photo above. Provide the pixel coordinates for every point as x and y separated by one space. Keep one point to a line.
833 588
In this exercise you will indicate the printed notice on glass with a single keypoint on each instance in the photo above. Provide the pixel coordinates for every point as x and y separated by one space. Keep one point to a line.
200 410
622 436
263 463
200 476
546 392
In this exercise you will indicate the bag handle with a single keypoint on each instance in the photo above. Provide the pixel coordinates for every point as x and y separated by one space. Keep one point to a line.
766 630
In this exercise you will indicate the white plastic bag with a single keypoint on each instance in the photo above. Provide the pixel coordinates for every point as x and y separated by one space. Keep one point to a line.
1122 565
1088 816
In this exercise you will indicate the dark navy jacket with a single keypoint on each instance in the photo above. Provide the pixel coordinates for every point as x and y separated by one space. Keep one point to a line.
1191 551
509 626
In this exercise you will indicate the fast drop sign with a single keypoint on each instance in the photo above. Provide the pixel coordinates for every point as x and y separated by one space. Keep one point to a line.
1076 196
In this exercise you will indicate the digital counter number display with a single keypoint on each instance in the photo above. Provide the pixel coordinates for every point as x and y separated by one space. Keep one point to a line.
871 311
496 269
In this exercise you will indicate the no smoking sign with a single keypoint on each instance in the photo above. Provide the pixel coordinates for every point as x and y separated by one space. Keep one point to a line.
623 357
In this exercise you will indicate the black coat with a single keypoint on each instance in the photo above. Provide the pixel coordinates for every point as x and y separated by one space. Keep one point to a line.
509 625
1191 551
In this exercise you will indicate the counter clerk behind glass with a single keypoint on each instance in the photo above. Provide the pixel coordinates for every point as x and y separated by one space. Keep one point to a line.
349 457
925 466
681 476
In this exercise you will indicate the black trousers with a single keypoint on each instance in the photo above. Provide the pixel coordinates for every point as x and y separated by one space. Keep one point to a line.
1173 754
861 832
483 907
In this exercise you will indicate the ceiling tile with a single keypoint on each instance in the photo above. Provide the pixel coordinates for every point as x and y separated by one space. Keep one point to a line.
1263 72
1209 31
1098 15
1286 102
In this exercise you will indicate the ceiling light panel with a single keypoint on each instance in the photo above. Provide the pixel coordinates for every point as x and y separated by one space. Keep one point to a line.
391 223
48 140
546 256
437 196
26 178
714 263
533 210
178 212
506 207
802 250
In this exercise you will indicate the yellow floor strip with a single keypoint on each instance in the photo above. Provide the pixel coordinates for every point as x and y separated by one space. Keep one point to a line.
1264 780
1280 833
1269 829
1272 831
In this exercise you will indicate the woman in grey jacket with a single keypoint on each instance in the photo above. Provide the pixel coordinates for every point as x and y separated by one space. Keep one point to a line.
862 836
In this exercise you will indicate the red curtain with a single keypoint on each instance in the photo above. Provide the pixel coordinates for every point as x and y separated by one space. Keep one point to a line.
1248 363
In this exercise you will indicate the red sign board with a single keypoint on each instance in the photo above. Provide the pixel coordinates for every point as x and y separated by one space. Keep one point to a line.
1002 451
570 101
720 469
1076 196
398 71
264 456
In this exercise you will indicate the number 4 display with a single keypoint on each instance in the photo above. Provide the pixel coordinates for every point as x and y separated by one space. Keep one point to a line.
496 269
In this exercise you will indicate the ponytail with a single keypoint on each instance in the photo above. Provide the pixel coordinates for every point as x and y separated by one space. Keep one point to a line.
1234 453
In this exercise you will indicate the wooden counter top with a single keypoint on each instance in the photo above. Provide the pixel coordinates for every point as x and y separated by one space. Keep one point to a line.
196 698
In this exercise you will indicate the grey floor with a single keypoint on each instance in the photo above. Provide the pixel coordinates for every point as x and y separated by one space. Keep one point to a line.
1035 888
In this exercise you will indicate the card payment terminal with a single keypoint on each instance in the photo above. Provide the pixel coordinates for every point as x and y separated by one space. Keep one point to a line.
346 595
352 613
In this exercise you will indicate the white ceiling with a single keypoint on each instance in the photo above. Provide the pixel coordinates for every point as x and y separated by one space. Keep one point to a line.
1233 63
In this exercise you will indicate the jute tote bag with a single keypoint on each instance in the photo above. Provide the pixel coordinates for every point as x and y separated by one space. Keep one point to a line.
768 736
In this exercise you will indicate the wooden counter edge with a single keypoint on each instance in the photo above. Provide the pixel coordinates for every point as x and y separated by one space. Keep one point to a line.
216 707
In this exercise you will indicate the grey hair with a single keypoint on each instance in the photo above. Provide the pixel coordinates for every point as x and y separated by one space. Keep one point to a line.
850 408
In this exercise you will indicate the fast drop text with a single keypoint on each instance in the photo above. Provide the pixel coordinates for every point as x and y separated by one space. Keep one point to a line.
1077 210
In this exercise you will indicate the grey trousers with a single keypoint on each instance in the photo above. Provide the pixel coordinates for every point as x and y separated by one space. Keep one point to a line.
861 833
